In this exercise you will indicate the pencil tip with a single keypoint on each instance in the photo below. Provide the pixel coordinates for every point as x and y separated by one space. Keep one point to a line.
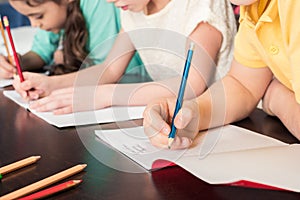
37 157
77 181
83 165
192 46
170 142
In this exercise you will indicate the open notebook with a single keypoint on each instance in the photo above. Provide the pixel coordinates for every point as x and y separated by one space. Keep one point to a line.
111 114
237 155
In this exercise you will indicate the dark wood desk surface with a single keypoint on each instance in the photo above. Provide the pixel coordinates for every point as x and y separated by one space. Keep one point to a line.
22 134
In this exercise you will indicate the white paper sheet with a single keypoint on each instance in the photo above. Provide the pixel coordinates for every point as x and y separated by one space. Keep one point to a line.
111 114
239 154
5 82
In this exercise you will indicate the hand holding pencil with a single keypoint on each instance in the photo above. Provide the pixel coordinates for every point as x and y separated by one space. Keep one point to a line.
181 93
163 117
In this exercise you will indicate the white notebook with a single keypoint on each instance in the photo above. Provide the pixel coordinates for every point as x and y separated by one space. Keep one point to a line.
237 155
106 115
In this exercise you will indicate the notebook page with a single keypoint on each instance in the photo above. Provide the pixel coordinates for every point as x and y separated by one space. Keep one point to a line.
274 166
229 139
135 144
105 115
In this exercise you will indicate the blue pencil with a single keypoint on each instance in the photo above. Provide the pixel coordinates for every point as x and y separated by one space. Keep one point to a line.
181 92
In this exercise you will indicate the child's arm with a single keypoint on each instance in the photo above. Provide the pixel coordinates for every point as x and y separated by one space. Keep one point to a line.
228 100
235 96
108 72
281 102
207 39
205 36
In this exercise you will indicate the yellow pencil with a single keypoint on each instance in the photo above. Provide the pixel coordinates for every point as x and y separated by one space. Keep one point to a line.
44 182
19 164
5 41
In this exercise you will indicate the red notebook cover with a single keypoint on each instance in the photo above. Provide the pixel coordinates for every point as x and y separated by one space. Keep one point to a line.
159 164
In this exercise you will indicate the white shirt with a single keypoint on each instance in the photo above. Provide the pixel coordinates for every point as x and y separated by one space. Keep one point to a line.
160 38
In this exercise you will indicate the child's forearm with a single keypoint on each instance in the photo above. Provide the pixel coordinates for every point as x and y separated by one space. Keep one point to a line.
139 93
143 93
85 77
282 103
224 102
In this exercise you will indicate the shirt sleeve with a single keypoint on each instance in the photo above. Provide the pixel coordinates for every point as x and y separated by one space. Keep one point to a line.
103 24
44 44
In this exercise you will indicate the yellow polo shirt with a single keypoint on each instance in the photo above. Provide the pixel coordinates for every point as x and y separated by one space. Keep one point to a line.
269 35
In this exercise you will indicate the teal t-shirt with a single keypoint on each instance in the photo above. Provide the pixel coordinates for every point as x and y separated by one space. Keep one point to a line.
103 24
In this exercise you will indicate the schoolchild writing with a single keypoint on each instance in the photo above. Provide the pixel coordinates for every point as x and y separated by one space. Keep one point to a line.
265 66
73 27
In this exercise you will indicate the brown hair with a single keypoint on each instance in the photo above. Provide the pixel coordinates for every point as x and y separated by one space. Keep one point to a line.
75 38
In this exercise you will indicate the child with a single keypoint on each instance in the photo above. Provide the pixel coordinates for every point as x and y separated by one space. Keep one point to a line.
266 65
80 25
150 27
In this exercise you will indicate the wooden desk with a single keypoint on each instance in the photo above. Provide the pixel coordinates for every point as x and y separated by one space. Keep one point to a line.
22 134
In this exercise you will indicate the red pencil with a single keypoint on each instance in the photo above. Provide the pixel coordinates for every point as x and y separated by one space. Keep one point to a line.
19 69
52 190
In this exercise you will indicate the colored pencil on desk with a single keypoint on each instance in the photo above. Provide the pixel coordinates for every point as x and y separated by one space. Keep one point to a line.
4 40
19 164
52 190
44 182
181 93
19 69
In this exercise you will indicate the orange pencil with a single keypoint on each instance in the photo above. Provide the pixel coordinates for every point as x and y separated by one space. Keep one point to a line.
5 41
52 190
19 164
19 69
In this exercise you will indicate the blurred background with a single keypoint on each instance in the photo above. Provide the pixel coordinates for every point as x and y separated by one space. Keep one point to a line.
15 19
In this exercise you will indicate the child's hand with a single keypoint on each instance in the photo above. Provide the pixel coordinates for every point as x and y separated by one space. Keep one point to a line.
65 100
33 87
59 102
7 70
157 120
